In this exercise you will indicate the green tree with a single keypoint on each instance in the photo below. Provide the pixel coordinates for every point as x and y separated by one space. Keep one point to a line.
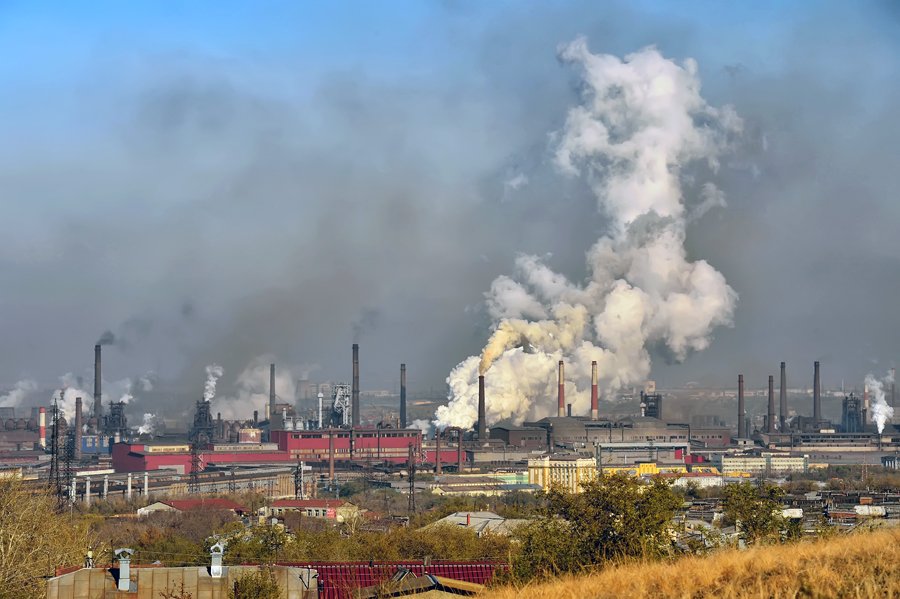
258 584
755 510
614 517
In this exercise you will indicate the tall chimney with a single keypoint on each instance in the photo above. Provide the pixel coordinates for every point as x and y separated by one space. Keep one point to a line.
482 425
403 396
459 450
354 403
595 398
437 452
79 422
98 404
770 421
783 400
272 399
330 457
561 392
741 429
42 427
817 399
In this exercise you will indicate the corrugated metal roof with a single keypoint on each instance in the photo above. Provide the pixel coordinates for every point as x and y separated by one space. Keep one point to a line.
338 580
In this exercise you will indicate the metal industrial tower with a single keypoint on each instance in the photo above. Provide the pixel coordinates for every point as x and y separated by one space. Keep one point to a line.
411 468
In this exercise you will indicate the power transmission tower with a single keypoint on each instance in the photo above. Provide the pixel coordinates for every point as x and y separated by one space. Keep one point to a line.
54 481
232 483
411 468
196 463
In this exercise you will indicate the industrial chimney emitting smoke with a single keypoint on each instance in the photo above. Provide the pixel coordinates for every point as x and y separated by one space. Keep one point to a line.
595 398
741 427
561 393
98 405
783 400
354 399
817 400
403 396
770 420
482 425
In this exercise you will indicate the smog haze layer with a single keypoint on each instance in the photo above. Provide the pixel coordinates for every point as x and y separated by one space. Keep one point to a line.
230 186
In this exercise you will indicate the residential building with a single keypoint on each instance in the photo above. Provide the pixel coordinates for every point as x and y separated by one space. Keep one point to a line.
765 463
331 509
479 522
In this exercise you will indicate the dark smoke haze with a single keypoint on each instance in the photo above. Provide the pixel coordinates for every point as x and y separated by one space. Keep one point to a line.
197 207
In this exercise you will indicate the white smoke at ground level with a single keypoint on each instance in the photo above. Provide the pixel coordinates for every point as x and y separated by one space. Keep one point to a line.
641 121
881 412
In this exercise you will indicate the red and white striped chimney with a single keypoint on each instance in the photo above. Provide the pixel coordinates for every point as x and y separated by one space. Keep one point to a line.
595 398
561 397
42 427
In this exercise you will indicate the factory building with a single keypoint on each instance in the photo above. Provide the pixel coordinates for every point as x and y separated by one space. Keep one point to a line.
564 472
525 437
345 445
765 463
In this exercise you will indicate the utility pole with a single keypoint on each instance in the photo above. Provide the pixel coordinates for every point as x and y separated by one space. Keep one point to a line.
299 480
411 468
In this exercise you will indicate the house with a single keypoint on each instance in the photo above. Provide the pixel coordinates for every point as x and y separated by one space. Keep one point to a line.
479 522
331 509
186 505
215 580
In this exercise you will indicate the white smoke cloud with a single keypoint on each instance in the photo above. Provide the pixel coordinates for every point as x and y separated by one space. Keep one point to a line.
67 395
213 372
423 425
642 120
252 391
880 410
21 390
148 426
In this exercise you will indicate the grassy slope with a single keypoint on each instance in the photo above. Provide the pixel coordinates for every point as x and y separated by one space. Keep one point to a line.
857 565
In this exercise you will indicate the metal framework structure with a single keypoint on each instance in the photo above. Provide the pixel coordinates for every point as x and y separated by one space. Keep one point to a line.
411 469
341 403
196 462
54 481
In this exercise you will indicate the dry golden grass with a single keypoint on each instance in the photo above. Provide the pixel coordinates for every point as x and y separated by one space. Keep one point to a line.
856 565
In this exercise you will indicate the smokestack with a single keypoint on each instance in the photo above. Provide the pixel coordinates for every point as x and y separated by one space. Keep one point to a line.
741 429
783 399
271 390
595 398
569 410
770 421
255 416
79 421
817 399
561 393
403 396
437 452
98 405
459 450
482 425
42 427
354 406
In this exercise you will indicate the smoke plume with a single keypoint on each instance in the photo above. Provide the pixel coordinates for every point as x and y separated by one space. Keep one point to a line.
881 411
148 425
213 372
252 389
641 123
18 393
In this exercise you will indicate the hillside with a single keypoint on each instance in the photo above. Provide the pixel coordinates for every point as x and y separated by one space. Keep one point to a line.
856 565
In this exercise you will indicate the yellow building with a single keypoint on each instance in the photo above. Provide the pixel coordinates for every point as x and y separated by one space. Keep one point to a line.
566 472
645 469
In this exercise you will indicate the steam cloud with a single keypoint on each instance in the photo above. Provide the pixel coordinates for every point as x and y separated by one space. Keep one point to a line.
881 411
252 389
213 372
642 120
148 425
19 392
